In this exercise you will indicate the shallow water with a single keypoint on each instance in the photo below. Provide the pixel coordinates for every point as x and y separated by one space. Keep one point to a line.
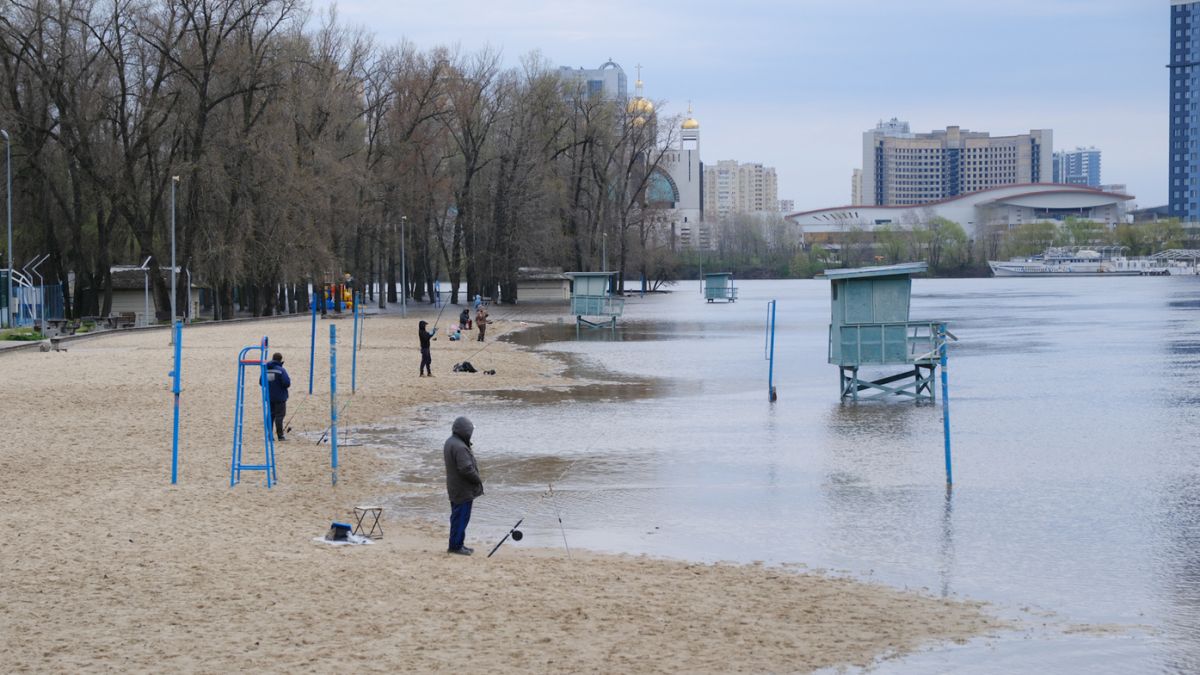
1077 485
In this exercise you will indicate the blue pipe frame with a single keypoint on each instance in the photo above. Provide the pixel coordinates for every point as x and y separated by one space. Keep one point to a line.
771 351
942 357
333 411
175 389
312 342
354 349
236 467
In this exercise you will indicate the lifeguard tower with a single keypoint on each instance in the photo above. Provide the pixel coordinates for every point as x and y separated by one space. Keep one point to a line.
591 296
719 286
870 326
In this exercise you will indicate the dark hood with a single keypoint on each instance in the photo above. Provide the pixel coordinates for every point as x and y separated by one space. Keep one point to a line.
463 429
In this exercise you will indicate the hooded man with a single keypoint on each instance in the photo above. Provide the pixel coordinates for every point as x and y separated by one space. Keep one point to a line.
278 383
463 483
426 357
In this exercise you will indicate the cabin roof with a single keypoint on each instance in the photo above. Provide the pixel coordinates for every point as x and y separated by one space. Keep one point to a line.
879 271
588 274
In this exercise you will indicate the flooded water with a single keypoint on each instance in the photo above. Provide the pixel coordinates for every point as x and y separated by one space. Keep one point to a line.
1077 482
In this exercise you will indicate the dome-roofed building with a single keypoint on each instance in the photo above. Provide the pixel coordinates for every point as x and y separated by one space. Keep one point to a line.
977 212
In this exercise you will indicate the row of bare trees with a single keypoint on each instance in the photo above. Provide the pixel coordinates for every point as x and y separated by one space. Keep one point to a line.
303 153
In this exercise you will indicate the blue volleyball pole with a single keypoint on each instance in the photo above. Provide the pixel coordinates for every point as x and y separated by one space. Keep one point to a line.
942 336
771 364
175 375
354 349
333 412
312 342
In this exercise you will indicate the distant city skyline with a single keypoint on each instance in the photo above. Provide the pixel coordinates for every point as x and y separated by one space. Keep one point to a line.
793 84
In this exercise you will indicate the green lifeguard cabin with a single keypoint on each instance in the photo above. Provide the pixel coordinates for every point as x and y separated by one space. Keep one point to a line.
870 326
719 286
591 296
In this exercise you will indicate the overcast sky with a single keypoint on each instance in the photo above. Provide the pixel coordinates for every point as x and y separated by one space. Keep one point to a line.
793 84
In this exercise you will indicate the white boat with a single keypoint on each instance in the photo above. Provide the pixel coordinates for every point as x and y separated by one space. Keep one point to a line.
1086 262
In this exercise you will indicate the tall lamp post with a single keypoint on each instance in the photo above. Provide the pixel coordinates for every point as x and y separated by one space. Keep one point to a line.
403 271
8 200
174 182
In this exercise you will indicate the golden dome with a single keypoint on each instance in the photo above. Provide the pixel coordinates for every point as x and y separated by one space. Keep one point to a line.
691 123
638 121
640 106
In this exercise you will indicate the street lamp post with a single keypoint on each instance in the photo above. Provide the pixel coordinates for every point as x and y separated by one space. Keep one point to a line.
8 200
403 271
42 286
146 290
174 182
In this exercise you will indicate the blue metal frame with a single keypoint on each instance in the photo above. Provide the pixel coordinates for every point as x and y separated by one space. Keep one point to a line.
236 466
771 351
175 389
354 349
942 357
312 342
333 411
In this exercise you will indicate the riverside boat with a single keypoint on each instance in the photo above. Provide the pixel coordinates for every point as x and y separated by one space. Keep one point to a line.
1087 262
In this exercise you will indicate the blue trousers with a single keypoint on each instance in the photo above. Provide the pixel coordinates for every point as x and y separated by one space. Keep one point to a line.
460 515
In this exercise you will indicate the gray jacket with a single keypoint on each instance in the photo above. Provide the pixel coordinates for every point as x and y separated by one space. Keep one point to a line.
462 474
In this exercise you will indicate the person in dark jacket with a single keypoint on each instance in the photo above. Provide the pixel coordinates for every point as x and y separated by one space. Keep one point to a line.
426 358
463 483
278 383
481 322
464 319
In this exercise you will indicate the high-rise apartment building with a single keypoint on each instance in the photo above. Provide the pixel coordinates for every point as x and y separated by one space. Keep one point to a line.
856 187
904 168
787 205
1184 177
731 187
1080 166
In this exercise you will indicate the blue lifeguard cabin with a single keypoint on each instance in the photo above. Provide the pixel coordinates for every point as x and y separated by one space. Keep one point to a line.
870 326
719 286
592 296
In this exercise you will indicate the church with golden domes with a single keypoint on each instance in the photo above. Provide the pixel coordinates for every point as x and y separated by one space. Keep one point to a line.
682 173
674 193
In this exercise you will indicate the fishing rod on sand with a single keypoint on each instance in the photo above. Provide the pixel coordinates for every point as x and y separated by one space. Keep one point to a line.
517 535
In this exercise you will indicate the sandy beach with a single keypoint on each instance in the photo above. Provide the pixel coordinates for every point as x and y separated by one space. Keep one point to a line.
107 566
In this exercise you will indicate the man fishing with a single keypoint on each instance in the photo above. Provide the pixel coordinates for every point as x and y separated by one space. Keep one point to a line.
426 357
463 483
278 383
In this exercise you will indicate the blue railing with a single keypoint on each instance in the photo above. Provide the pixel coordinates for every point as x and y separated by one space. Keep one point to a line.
907 342
597 305
720 293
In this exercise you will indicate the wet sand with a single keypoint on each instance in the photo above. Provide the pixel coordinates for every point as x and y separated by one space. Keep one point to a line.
108 566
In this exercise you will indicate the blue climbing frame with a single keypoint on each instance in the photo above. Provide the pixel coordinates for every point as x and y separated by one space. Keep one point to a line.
236 465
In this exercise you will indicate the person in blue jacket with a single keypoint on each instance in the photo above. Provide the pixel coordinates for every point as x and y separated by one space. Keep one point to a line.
277 386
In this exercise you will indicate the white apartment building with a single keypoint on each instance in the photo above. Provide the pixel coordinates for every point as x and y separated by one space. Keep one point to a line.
902 168
731 187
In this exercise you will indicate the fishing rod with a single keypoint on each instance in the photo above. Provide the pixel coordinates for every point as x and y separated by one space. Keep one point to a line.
516 535
493 341
558 514
287 426
325 433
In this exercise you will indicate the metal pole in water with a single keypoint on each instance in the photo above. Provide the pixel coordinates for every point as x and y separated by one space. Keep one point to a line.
333 457
771 366
945 399
175 376
312 341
